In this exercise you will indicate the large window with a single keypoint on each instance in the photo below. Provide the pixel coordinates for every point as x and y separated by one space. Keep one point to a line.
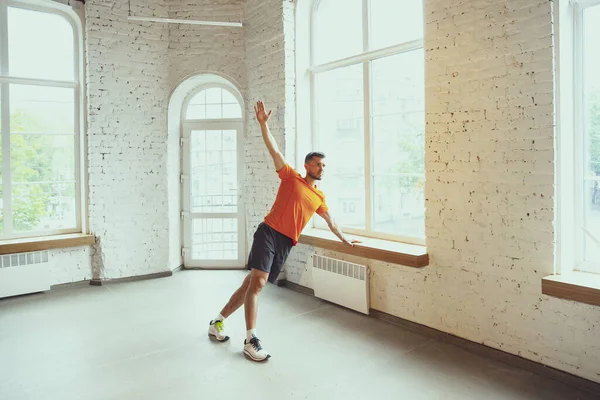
40 121
368 114
587 134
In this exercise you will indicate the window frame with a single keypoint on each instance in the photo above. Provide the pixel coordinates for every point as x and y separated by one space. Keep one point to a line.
570 140
365 58
185 173
580 136
206 86
77 84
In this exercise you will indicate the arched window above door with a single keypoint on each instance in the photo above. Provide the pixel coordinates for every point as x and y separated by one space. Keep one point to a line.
213 102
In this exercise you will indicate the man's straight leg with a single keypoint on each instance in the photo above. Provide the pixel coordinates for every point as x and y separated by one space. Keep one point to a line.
252 345
258 279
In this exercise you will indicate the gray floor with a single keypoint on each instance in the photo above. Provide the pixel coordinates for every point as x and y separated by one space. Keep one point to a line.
147 340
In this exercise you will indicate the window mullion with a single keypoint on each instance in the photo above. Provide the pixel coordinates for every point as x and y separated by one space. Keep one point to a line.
3 39
366 26
368 141
5 111
579 145
367 119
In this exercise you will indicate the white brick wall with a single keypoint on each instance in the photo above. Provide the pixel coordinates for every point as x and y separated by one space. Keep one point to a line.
490 194
197 49
193 50
127 66
269 57
489 161
132 69
70 265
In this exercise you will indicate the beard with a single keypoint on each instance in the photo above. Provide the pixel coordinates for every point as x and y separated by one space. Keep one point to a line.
315 177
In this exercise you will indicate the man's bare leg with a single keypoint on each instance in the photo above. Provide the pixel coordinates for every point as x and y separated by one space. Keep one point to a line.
216 328
258 279
237 298
252 346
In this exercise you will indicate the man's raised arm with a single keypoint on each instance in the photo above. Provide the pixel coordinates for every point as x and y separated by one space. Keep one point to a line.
262 118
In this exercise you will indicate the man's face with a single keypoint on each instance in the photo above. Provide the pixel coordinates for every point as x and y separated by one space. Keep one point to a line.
315 168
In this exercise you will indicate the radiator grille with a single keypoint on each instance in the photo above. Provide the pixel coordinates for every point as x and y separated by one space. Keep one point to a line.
340 267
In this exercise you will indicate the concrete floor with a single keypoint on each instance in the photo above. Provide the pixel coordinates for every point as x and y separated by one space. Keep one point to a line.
147 340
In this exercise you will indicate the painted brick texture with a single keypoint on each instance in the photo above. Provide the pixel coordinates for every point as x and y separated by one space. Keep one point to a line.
269 58
197 49
489 193
127 88
489 159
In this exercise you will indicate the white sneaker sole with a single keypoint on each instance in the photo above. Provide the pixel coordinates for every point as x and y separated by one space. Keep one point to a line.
214 337
247 354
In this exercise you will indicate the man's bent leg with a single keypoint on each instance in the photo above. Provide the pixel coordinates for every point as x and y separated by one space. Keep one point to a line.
237 299
216 328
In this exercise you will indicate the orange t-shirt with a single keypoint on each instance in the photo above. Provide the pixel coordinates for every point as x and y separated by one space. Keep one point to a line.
295 204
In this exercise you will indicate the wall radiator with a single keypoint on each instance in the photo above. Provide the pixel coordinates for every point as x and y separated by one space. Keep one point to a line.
24 273
341 282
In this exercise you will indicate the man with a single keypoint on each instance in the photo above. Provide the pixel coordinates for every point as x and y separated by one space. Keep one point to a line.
297 200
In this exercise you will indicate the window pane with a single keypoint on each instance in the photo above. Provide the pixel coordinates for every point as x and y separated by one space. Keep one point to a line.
38 109
591 224
232 111
40 45
214 239
394 22
42 158
338 36
591 87
196 111
398 130
1 210
228 98
213 96
214 111
43 206
199 98
36 162
340 135
1 171
213 165
213 103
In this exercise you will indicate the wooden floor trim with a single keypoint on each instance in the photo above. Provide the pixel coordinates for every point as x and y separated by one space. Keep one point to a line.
101 282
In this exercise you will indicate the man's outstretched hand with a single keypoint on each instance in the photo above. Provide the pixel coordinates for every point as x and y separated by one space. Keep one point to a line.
352 242
261 115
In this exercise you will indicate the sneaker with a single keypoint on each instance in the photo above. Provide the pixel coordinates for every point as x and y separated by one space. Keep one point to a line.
254 350
217 331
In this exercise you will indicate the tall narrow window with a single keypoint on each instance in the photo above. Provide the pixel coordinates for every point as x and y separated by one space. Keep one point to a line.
587 114
368 111
40 114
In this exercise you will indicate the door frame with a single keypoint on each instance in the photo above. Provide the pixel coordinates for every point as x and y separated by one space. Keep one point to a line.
187 216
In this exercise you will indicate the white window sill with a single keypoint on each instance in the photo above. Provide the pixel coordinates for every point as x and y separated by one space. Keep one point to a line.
583 287
45 243
409 255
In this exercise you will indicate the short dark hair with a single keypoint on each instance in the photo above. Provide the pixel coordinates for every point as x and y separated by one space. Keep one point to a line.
312 154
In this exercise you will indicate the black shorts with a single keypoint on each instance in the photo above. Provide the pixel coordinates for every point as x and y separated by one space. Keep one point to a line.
269 251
